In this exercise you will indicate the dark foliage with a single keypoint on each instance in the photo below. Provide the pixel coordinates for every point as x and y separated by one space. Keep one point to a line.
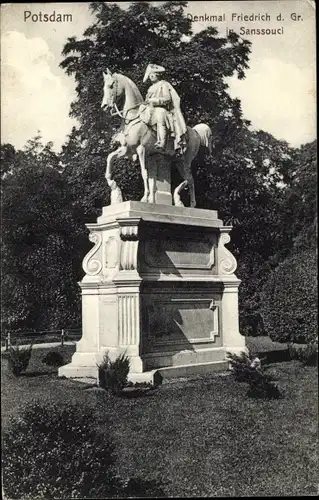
299 206
53 358
56 452
39 288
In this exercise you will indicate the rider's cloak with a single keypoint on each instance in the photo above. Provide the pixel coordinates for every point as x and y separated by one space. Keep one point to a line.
167 97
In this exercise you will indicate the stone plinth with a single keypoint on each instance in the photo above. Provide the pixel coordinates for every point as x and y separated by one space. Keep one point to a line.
159 285
160 175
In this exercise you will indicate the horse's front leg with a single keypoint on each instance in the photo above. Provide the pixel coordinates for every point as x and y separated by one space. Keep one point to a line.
152 170
116 194
140 150
121 151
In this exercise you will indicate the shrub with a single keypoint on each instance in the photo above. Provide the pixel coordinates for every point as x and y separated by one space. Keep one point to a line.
113 374
243 366
18 359
53 358
56 452
308 355
289 299
248 369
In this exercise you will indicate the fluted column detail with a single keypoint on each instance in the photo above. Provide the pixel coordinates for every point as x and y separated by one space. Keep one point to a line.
129 319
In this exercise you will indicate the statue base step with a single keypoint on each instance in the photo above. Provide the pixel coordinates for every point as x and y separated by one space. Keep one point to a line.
89 375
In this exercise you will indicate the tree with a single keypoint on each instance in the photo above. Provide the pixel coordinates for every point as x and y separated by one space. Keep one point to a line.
299 206
289 295
38 286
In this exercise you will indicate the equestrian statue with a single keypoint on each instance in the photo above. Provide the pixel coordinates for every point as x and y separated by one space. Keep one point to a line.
151 127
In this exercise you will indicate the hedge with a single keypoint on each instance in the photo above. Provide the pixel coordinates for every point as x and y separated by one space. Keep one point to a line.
289 299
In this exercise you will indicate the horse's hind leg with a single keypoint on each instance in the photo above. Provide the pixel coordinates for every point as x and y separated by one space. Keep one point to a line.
185 170
176 195
177 199
191 185
190 153
140 150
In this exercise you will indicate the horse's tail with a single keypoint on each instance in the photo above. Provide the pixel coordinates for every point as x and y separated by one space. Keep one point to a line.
205 135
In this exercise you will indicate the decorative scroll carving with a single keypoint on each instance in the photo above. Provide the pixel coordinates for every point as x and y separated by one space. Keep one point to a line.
93 266
227 262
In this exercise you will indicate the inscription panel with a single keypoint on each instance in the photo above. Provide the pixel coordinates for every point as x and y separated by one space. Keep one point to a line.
180 321
168 254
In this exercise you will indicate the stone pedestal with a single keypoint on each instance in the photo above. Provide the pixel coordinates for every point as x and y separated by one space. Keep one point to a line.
159 285
160 174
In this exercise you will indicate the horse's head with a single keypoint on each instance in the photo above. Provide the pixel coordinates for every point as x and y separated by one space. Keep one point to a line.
118 86
112 90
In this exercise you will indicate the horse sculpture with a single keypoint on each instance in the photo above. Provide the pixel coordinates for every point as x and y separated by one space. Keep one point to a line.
138 138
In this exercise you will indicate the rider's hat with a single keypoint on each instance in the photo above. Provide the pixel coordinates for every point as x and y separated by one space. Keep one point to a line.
152 68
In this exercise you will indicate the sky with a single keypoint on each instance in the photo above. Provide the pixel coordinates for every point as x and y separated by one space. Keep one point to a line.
278 94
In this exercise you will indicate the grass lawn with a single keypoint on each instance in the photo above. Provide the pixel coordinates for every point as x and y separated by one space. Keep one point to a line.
200 436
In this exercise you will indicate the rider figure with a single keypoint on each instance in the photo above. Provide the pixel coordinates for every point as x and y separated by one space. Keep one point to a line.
163 110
